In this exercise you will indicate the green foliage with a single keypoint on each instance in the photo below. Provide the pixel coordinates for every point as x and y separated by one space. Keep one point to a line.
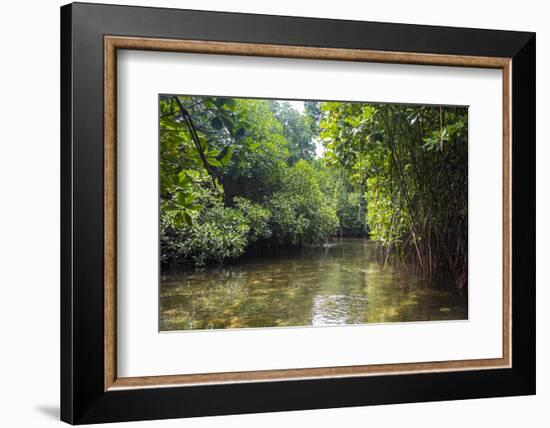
298 131
301 212
257 217
239 174
263 151
409 163
200 139
214 234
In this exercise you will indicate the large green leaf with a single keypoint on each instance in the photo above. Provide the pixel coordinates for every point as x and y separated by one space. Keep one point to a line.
225 156
214 162
188 219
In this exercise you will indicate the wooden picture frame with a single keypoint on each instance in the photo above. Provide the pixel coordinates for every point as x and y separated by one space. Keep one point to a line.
91 390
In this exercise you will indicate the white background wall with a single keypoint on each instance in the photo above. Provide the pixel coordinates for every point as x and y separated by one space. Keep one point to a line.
29 213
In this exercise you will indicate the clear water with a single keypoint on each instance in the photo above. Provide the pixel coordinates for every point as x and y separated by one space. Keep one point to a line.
343 282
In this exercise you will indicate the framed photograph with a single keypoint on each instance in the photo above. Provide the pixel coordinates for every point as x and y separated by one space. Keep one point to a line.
265 213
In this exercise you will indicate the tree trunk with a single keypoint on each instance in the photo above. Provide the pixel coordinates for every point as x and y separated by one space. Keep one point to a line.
362 204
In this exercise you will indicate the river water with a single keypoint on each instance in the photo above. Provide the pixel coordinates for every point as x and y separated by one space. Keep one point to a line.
343 282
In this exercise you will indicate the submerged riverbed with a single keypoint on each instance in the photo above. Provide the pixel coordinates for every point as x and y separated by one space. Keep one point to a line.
340 283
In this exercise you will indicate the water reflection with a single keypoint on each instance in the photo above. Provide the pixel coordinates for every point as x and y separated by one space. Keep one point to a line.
341 283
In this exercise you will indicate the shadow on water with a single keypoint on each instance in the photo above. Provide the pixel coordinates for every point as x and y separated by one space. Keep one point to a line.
342 282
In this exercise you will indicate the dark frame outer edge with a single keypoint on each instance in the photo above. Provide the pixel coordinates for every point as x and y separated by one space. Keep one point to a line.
524 215
83 399
66 351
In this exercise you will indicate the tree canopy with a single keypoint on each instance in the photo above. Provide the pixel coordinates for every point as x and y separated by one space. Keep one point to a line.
237 175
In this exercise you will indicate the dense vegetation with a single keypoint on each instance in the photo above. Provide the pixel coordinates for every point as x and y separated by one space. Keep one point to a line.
242 175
